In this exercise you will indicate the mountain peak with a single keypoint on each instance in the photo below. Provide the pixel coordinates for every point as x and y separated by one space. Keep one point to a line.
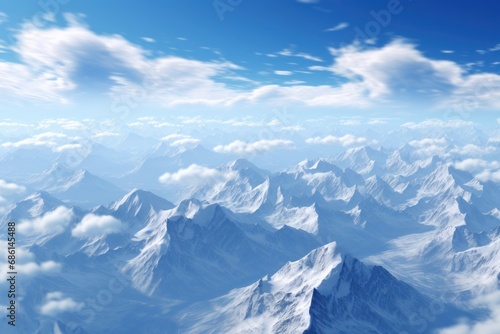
138 200
241 163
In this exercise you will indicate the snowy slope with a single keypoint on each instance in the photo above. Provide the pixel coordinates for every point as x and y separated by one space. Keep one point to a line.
79 187
209 252
324 292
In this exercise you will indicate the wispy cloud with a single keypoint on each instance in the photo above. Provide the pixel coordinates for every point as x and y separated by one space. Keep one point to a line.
48 139
54 60
261 146
489 325
492 49
438 123
340 26
3 17
345 140
291 53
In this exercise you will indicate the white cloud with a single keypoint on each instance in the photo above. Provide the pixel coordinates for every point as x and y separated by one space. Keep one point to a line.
340 26
105 134
150 121
345 140
93 225
283 72
438 123
148 39
56 303
34 269
26 264
476 164
194 175
9 187
492 49
294 82
175 136
349 94
350 122
52 221
48 139
293 128
382 71
64 123
181 140
185 142
476 91
3 17
67 147
262 146
428 142
488 326
55 60
447 51
291 53
489 175
473 150
376 122
429 146
274 122
15 125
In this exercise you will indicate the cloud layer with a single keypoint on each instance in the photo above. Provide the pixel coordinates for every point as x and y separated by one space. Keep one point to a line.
59 63
259 147
345 140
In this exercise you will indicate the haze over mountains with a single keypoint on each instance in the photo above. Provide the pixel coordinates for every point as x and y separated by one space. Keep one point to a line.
188 239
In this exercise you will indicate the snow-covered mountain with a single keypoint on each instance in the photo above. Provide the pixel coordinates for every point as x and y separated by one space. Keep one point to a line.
324 292
251 250
206 251
79 187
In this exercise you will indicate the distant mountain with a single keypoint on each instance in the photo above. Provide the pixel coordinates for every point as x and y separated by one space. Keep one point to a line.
107 162
137 206
22 164
145 175
363 160
137 145
255 251
33 206
78 187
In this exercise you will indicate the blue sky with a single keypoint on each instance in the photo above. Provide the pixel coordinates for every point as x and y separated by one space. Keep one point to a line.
406 59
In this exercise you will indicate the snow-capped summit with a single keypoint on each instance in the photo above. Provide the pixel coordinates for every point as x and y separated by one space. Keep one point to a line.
34 205
321 292
138 204
248 171
364 160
